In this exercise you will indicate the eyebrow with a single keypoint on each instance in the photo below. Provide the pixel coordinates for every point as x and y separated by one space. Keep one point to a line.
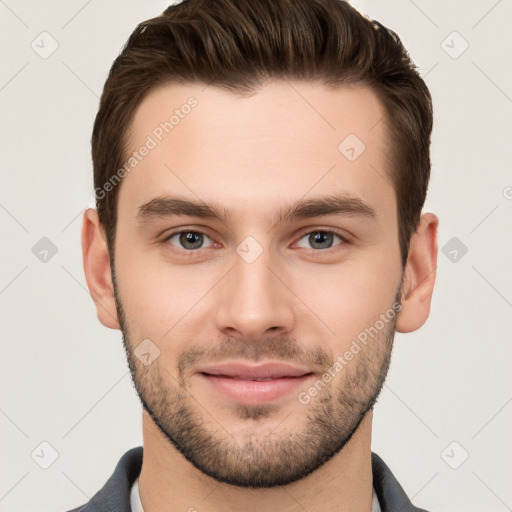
347 205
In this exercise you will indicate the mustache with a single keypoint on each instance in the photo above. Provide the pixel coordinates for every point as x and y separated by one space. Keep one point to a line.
277 349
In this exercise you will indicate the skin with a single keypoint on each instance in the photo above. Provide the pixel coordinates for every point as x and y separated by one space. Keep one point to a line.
297 302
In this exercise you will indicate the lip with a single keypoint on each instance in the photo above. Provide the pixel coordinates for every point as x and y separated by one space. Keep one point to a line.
254 384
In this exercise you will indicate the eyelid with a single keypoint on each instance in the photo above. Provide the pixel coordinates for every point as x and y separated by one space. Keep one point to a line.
168 233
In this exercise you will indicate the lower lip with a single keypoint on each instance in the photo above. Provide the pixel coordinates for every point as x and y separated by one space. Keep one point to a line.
253 391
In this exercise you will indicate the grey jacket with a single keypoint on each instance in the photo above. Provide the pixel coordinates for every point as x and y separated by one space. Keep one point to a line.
115 494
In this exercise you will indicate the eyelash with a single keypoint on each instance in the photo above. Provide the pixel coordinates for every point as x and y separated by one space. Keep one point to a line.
191 252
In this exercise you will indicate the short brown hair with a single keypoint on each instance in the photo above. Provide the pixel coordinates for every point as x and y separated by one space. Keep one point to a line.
238 45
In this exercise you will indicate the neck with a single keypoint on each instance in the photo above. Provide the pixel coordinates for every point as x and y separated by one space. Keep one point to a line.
169 482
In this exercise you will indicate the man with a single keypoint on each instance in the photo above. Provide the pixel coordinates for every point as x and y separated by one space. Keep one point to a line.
260 171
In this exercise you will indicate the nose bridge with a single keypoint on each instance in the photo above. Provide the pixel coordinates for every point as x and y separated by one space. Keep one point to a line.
254 300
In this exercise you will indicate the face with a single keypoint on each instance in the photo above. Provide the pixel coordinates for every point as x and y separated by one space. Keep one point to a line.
257 273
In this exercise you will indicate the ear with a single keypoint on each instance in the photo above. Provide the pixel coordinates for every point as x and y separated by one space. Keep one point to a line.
420 275
97 269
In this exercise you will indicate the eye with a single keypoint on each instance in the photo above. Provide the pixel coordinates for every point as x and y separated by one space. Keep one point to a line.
189 240
320 239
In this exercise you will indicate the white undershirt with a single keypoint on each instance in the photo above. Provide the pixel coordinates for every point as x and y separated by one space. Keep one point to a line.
137 505
135 497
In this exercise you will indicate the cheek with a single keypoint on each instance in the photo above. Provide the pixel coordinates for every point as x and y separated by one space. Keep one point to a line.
160 300
341 302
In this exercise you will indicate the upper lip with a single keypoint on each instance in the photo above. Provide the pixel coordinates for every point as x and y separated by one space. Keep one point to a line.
262 371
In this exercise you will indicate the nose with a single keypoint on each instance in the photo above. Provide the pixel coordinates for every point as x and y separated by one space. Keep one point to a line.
255 301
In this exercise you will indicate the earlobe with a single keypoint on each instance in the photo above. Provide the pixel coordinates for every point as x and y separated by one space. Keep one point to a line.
420 275
97 269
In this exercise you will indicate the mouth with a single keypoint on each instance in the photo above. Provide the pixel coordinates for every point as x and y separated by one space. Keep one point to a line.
254 384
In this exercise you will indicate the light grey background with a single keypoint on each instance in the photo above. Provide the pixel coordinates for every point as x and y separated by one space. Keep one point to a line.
64 380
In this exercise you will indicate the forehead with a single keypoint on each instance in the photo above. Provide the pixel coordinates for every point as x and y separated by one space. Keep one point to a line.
289 139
